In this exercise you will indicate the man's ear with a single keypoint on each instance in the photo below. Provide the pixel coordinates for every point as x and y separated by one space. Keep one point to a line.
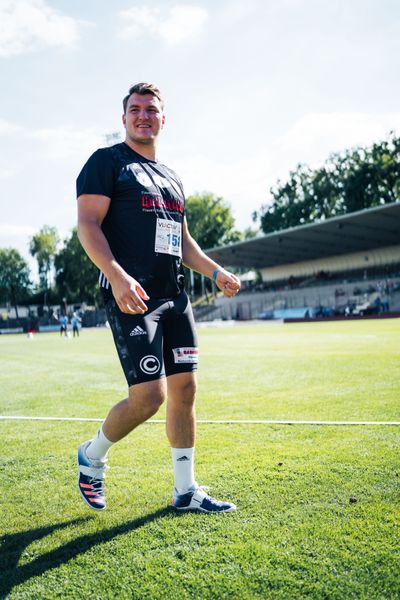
124 120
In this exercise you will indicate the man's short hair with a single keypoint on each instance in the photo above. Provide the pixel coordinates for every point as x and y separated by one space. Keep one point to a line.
143 89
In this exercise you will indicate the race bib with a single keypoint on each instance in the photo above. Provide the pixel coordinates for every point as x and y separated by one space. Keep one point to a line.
168 237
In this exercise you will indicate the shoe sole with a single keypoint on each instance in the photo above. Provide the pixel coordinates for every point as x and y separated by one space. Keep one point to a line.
209 512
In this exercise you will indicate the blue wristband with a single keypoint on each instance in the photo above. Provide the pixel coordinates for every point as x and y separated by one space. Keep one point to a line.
215 273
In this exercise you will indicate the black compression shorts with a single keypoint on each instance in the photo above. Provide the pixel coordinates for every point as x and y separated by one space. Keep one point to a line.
159 343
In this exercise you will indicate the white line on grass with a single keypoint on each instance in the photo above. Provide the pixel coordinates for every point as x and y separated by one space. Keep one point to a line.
211 421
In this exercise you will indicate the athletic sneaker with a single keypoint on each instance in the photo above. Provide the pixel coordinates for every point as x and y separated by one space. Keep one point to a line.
199 500
91 475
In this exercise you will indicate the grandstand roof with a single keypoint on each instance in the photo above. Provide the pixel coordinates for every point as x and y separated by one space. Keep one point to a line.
354 232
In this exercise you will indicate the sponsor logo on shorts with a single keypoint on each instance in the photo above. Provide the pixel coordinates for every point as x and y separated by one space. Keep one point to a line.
186 355
150 364
137 331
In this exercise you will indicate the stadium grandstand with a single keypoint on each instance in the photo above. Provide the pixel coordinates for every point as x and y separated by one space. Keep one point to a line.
345 266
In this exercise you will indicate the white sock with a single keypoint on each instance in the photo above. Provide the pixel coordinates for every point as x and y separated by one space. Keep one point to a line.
183 461
99 447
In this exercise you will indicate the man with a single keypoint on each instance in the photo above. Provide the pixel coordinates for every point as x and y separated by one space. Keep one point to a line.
75 322
63 325
131 222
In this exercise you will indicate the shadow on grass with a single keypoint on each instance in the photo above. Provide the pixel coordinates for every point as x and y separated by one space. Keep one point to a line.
12 546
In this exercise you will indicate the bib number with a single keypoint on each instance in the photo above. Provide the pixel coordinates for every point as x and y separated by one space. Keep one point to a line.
168 237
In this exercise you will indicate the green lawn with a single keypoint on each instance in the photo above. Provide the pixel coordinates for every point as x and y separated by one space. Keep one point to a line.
295 535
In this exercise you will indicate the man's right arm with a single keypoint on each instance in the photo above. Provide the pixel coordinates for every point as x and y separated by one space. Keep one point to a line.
128 292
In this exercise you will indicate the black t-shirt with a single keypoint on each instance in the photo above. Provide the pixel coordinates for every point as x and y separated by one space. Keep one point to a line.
143 225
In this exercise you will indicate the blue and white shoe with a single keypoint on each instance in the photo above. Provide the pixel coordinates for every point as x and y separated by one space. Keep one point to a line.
200 501
91 475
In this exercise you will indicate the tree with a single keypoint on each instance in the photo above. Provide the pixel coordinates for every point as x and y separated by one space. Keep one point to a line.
76 275
248 234
14 277
210 220
357 179
43 246
211 223
112 138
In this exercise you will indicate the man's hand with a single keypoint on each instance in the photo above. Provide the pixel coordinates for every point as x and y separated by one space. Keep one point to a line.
129 295
228 283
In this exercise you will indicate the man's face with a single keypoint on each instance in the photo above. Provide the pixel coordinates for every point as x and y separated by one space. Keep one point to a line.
143 119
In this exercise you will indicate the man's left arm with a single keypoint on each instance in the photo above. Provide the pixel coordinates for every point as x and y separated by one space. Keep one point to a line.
194 258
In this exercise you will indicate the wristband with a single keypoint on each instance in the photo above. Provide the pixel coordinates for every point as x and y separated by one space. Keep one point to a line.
215 273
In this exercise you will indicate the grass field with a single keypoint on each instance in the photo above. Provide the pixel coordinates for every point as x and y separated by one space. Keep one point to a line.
295 535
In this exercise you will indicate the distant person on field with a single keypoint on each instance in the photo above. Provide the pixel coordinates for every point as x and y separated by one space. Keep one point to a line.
132 224
75 322
64 325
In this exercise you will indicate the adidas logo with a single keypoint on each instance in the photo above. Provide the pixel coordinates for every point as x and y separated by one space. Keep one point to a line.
182 458
138 331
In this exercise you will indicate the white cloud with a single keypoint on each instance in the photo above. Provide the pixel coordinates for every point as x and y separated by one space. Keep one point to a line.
27 25
63 142
244 184
7 173
8 128
8 229
310 140
54 143
315 136
180 23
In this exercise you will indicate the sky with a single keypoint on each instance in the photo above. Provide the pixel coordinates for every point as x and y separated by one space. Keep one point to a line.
252 88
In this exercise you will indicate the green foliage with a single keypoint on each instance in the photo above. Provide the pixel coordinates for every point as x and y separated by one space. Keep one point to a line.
14 276
112 138
360 178
210 220
211 224
43 246
248 234
295 535
76 275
